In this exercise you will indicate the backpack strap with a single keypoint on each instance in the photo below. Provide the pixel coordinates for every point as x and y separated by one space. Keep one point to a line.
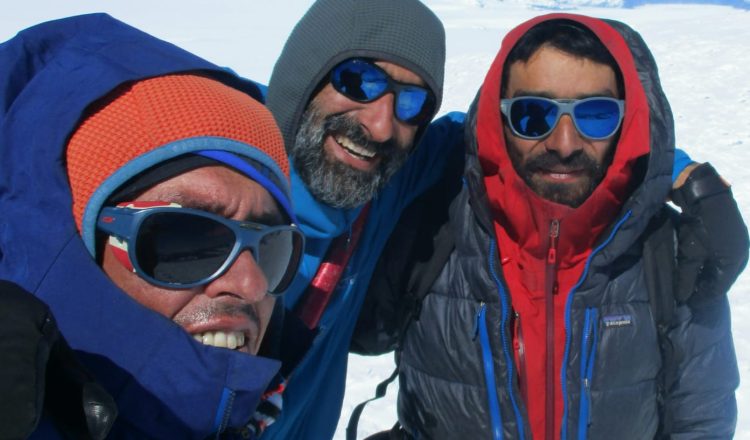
422 277
425 241
659 260
351 428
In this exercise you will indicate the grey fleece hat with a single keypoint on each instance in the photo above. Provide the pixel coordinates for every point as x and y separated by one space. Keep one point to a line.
403 32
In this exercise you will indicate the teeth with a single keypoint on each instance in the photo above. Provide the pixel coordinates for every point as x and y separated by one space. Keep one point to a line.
230 340
208 338
354 148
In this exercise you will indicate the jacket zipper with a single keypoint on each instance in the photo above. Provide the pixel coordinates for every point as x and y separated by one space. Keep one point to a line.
489 372
224 411
588 353
507 351
550 290
568 307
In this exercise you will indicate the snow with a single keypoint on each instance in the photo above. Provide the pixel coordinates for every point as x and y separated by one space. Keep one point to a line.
700 49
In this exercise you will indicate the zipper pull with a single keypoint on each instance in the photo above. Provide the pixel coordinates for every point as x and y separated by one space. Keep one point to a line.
587 390
476 321
554 233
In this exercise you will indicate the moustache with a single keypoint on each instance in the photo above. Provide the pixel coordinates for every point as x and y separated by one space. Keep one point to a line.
550 161
213 309
244 310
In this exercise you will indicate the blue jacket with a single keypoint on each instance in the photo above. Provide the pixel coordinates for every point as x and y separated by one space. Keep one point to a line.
315 392
166 385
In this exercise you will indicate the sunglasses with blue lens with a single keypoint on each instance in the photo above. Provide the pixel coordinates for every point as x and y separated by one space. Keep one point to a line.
534 117
364 81
180 248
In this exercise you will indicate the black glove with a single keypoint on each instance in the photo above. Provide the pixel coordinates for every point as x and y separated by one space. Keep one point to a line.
713 239
39 373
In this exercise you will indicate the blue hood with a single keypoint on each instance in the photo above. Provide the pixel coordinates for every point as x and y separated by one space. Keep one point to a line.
165 384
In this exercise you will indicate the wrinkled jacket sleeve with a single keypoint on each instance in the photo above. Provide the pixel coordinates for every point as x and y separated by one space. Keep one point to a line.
701 403
713 237
712 251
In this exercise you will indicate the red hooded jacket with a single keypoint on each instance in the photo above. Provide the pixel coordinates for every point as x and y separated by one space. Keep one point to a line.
544 245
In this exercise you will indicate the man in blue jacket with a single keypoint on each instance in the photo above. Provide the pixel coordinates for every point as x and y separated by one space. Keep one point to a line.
354 91
136 176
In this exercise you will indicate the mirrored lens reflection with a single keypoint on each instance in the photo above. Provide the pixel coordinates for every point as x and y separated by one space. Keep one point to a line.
178 248
276 250
597 118
533 117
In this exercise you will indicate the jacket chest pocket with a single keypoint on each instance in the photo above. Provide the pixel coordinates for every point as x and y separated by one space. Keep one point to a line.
617 368
589 342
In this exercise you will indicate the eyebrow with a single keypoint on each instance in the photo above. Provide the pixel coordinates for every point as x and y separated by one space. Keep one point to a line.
269 218
421 82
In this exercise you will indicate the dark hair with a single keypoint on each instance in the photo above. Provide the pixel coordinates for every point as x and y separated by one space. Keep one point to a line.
566 35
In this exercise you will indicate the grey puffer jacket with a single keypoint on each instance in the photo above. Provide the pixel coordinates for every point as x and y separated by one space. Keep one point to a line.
458 377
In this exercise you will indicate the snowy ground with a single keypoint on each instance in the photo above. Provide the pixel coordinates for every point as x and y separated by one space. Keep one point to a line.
700 50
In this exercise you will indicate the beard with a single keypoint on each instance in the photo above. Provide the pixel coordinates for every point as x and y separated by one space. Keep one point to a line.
570 194
330 181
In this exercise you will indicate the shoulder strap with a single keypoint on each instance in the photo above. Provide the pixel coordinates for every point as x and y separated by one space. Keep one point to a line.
659 259
433 244
425 273
420 281
426 224
351 428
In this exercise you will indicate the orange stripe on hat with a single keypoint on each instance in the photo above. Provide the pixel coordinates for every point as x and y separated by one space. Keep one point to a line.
140 117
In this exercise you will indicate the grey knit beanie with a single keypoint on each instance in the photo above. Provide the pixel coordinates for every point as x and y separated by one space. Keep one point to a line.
404 32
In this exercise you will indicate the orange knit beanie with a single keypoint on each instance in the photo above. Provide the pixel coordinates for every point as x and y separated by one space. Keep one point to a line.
143 124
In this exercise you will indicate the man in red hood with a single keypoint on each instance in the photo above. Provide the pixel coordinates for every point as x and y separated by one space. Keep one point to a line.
541 322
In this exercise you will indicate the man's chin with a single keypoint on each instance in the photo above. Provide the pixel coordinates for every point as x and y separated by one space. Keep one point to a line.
569 194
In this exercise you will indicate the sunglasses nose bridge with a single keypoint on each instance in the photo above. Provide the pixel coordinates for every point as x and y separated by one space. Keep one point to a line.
248 239
378 117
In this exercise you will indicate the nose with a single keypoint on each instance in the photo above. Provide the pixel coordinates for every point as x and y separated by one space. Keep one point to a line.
564 139
377 118
243 279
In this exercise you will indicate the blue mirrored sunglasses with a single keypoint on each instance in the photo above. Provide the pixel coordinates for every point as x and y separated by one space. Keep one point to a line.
180 248
534 117
363 81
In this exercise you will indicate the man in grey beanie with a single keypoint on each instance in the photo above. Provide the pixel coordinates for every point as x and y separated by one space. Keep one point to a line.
354 91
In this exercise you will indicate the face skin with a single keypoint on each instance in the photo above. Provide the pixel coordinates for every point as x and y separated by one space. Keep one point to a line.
564 167
235 305
346 151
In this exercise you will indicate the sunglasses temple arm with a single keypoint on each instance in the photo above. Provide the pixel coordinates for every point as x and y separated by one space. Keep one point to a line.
115 223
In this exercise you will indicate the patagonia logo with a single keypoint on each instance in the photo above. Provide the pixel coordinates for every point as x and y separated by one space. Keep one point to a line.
617 321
